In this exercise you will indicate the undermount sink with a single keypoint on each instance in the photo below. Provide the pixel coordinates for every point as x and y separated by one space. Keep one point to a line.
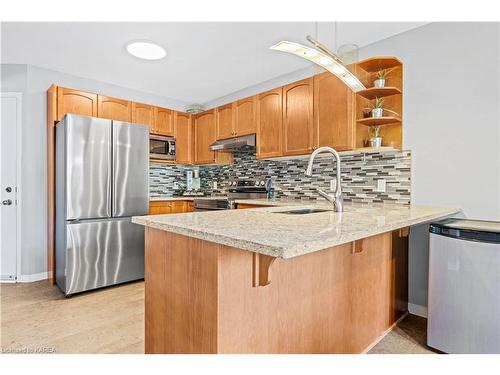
303 211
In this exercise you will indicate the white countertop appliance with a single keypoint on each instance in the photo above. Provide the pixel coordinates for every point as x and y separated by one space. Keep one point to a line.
464 286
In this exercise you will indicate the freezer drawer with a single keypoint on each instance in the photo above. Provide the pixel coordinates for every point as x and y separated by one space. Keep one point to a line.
464 295
100 253
130 169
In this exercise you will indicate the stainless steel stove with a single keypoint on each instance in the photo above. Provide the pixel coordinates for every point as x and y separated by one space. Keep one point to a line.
239 189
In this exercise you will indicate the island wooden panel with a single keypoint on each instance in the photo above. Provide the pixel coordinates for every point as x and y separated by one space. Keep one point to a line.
201 298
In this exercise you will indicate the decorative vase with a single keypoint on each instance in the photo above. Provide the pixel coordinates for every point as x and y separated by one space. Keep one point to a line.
379 83
377 112
376 142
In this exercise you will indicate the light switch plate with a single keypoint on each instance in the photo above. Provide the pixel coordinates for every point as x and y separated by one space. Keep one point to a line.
381 186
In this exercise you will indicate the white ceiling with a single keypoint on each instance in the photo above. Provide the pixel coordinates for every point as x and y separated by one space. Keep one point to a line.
205 61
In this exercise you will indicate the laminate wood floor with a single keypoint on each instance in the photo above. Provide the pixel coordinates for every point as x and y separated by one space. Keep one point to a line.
36 317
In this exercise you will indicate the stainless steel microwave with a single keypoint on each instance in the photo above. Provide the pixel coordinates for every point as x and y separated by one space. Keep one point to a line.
161 147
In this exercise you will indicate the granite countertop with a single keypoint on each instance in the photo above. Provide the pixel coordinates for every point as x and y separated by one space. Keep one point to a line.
267 231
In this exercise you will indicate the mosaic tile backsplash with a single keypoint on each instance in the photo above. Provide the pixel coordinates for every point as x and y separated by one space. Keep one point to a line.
359 174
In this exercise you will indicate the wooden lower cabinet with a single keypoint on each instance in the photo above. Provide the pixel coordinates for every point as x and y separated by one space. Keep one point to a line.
240 206
202 297
170 207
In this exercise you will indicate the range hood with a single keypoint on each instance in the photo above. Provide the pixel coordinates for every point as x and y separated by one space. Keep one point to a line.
232 143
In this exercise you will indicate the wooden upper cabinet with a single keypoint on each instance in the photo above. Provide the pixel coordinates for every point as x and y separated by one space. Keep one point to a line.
225 122
183 132
204 136
113 108
298 117
76 102
269 123
143 114
163 121
333 113
245 115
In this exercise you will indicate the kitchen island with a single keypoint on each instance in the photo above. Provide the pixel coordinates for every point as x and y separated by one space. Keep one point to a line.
265 280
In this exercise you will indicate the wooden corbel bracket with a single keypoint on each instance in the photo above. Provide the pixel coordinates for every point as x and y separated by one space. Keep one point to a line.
262 269
357 246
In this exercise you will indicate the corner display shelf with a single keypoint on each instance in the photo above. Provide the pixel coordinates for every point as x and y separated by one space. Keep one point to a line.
390 126
374 121
378 92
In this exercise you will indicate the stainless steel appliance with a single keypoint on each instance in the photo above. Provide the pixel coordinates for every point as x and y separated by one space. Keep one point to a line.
162 147
241 189
464 287
102 171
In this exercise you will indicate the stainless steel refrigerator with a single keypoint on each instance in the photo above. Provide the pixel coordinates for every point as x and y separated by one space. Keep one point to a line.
101 182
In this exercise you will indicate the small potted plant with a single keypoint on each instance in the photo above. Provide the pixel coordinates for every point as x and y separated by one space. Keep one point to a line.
376 139
377 109
381 76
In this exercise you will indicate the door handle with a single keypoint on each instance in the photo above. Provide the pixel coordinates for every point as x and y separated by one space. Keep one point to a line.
7 202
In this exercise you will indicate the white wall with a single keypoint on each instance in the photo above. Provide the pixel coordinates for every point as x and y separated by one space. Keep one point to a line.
451 124
33 83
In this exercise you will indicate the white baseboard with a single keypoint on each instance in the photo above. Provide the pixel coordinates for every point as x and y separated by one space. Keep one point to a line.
417 310
32 277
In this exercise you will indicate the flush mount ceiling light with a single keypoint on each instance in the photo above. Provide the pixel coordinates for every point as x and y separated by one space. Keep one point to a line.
145 50
322 57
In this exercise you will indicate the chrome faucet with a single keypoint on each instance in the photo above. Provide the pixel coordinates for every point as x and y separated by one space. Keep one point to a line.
337 199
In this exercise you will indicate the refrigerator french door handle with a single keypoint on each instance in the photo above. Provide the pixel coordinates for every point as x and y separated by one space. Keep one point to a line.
110 187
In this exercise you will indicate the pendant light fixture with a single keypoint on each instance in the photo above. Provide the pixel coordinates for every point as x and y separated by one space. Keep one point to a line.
323 57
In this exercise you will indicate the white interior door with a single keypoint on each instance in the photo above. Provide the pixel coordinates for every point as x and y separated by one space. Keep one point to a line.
9 132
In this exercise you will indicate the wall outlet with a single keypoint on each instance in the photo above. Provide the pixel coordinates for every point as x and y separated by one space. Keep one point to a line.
215 185
381 184
333 185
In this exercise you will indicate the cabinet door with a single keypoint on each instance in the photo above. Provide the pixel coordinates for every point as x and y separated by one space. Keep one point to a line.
114 109
333 114
164 121
183 132
143 114
204 136
160 207
298 117
225 122
76 102
244 116
269 123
